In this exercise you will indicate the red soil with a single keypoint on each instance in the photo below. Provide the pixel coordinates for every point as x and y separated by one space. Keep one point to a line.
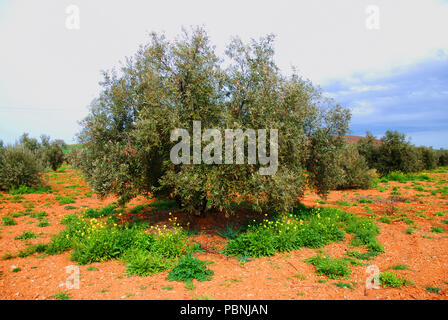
424 252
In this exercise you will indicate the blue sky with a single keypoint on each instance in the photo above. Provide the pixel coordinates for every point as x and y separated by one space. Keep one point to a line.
394 77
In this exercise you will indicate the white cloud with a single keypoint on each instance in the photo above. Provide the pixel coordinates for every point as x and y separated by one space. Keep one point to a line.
43 65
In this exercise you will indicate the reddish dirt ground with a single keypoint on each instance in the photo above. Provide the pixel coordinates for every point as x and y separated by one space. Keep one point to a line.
283 276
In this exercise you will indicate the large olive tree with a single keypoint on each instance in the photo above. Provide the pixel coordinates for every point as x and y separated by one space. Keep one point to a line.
171 84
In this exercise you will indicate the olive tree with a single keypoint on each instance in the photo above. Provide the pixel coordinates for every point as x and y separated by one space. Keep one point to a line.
171 84
18 167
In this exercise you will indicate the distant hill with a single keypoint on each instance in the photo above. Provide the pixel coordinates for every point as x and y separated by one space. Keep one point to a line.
355 139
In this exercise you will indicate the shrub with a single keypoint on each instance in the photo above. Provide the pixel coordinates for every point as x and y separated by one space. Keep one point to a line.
436 229
52 155
229 232
126 136
98 213
96 240
442 157
102 244
59 244
48 153
257 243
26 235
30 250
189 268
397 154
355 172
433 290
8 221
428 158
142 263
332 268
390 279
29 190
368 147
306 227
65 199
169 244
19 167
404 177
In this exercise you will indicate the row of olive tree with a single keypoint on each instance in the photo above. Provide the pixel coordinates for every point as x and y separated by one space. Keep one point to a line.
394 152
169 84
23 163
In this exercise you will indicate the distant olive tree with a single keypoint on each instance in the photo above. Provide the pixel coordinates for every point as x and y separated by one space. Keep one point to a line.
168 85
354 170
442 157
18 167
428 158
396 153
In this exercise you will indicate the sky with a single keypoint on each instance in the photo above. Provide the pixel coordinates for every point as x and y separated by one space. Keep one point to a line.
386 60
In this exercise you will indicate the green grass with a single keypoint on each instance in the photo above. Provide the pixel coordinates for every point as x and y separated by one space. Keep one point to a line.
16 199
408 220
93 240
8 221
189 268
30 250
400 267
102 212
332 268
61 296
300 276
361 255
29 190
7 256
164 204
205 297
26 235
388 279
436 229
404 177
65 199
230 232
138 208
433 290
365 201
344 285
67 148
306 227
346 204
443 191
142 263
385 220
37 215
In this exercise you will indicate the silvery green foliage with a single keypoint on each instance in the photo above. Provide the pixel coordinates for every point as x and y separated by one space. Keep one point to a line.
396 153
18 166
48 152
168 85
354 171
24 162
